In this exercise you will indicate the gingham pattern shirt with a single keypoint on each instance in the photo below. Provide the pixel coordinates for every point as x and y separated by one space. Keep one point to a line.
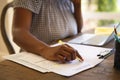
52 19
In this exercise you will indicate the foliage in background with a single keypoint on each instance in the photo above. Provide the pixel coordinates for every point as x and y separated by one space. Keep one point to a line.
106 6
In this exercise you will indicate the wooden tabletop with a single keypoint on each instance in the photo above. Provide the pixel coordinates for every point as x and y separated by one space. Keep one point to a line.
104 71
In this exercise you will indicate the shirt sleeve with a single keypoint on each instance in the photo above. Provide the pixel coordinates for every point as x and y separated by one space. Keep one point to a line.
32 5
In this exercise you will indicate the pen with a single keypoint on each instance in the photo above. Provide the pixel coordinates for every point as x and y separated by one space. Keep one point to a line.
115 30
106 55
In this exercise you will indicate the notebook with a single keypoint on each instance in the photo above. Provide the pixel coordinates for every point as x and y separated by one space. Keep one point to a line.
93 39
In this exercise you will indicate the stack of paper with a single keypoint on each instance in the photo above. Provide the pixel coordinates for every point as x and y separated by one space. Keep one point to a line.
38 63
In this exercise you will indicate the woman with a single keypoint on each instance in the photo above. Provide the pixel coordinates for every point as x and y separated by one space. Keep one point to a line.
36 23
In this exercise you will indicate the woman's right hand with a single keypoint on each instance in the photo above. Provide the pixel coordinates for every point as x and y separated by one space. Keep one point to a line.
62 53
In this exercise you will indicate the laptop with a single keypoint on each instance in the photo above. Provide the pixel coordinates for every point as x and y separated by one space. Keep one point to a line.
93 39
99 40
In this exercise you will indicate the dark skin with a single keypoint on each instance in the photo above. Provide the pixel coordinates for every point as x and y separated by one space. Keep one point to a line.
78 14
22 37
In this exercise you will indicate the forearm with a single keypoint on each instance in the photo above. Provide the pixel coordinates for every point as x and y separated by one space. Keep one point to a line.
78 15
28 42
22 20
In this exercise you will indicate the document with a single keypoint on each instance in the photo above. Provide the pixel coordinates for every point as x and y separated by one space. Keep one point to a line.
89 54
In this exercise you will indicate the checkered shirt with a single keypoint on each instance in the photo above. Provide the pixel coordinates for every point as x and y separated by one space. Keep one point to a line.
51 20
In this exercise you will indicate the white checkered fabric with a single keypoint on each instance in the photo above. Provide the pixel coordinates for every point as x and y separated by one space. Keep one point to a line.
52 19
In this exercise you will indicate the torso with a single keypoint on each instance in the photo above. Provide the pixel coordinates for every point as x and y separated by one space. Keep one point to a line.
54 21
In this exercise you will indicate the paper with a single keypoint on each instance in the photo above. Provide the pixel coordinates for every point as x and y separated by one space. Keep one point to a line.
38 63
28 60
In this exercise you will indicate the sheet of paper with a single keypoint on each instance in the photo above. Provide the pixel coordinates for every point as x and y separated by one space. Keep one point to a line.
28 60
36 62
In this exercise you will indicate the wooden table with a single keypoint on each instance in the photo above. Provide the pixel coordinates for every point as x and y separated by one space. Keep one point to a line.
104 71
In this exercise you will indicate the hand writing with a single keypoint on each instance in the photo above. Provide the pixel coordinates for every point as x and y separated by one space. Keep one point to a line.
62 53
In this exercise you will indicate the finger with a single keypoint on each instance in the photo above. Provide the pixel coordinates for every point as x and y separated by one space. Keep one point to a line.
79 56
67 48
66 54
71 52
61 58
73 57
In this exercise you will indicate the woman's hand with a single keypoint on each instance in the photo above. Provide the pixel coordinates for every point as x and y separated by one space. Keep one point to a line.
62 53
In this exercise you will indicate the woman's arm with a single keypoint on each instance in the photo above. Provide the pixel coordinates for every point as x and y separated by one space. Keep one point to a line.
21 31
21 35
78 14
